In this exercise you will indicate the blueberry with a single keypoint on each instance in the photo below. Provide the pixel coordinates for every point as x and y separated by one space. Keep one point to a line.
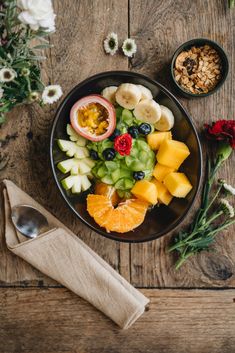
138 175
116 133
109 154
133 131
145 129
94 155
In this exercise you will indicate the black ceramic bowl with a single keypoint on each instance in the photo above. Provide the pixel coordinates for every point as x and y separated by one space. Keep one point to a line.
198 42
161 219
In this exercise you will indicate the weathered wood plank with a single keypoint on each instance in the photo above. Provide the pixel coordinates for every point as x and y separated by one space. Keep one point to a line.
77 53
159 27
56 320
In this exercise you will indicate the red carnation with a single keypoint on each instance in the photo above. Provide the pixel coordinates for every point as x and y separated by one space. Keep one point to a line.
222 130
123 144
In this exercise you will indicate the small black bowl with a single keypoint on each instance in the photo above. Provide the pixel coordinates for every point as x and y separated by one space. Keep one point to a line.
198 42
162 219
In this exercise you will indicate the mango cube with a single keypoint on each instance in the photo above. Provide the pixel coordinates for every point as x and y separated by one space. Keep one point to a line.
160 171
163 194
156 138
145 190
177 184
172 153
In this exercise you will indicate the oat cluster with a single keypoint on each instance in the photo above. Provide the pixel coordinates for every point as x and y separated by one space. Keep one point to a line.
198 70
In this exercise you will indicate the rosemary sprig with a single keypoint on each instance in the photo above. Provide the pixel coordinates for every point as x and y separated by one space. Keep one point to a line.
203 230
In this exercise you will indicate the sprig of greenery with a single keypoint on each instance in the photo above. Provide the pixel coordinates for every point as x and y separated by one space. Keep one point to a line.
203 230
17 53
231 3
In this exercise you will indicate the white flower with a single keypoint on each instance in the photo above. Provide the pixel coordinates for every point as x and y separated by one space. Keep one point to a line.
228 208
229 188
7 75
129 47
51 94
111 43
1 92
37 13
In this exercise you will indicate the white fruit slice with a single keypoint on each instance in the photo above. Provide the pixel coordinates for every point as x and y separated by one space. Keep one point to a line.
166 121
109 93
72 149
81 141
76 183
128 95
84 168
67 165
145 92
69 182
148 111
85 182
90 162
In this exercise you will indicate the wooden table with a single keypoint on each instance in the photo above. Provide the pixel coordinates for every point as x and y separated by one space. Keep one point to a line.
192 310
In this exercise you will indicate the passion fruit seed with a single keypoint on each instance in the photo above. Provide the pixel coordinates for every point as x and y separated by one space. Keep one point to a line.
93 117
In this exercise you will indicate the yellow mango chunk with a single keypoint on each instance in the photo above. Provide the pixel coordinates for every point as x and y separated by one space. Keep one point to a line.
160 171
172 153
177 184
145 190
163 194
156 138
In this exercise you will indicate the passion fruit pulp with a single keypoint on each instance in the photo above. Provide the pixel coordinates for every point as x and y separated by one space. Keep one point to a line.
93 117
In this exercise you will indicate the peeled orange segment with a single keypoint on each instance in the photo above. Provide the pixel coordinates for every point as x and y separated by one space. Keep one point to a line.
122 219
97 204
107 190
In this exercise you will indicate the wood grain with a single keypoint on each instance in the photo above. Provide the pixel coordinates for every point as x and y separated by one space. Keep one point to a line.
56 320
77 54
159 28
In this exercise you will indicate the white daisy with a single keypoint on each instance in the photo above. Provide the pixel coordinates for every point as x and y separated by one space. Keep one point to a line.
129 47
33 96
227 207
229 188
111 43
51 94
1 92
7 75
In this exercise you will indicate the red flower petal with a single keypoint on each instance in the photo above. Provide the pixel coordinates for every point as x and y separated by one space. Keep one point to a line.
123 144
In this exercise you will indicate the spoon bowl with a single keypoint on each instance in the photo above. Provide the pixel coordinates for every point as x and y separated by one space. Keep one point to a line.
28 220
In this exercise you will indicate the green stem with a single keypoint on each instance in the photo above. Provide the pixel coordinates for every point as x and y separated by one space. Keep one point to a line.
181 260
185 241
231 3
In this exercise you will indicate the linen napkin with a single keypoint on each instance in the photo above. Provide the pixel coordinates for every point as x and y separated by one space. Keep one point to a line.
61 255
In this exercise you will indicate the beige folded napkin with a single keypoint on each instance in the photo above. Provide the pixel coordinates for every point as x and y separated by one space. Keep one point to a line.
61 255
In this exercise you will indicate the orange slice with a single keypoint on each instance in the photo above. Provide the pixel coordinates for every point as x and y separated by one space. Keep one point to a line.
107 190
122 219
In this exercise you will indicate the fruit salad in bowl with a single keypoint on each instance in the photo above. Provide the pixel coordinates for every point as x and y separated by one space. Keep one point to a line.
122 159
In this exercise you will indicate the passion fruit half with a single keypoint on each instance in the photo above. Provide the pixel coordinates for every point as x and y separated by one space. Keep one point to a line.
93 117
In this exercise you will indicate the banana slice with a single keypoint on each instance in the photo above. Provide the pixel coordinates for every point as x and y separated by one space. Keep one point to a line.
148 110
109 93
145 92
166 121
128 95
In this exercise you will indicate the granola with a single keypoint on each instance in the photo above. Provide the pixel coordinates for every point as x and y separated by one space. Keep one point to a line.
198 70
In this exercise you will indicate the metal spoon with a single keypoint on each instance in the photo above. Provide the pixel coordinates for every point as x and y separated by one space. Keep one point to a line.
28 220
